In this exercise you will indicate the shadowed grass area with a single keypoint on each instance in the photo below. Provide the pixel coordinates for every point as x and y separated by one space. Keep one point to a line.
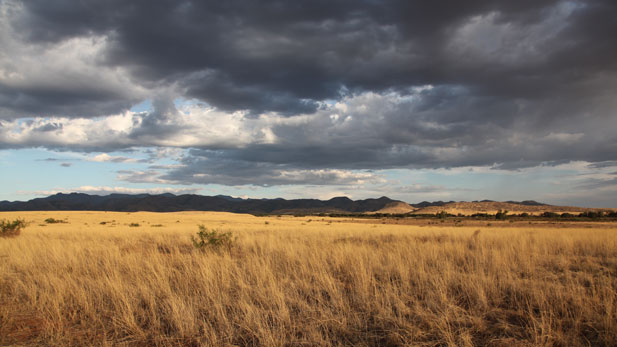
322 283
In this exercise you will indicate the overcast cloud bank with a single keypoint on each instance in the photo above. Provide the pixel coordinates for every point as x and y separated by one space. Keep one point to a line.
312 92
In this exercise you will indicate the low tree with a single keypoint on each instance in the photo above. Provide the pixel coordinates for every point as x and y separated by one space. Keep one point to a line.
501 214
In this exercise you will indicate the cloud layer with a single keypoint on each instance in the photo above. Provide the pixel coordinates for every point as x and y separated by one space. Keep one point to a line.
312 92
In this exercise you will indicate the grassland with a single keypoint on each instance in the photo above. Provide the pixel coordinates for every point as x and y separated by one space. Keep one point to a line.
135 279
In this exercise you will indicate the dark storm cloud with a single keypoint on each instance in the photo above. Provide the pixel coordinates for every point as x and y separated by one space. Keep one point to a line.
283 56
226 94
220 170
158 123
603 164
55 99
514 84
49 127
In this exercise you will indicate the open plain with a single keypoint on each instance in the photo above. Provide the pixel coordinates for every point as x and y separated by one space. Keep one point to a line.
108 278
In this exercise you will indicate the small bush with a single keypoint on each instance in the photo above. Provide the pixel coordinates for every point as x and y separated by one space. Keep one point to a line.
133 225
212 240
11 228
54 221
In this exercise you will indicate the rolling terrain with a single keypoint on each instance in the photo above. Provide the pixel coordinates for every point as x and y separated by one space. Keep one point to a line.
492 207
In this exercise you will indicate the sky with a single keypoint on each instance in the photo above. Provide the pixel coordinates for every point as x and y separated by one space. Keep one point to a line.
414 100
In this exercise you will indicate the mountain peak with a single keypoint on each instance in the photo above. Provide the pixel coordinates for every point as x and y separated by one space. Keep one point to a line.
340 198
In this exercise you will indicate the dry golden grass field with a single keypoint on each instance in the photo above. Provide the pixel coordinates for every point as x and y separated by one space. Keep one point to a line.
311 281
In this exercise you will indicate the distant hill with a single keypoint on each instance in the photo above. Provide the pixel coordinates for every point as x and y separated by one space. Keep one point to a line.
491 207
469 208
424 204
396 207
172 203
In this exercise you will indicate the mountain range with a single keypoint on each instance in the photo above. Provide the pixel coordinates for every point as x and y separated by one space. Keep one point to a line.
190 202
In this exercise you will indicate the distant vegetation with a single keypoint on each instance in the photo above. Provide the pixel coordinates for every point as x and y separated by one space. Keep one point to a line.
500 215
54 221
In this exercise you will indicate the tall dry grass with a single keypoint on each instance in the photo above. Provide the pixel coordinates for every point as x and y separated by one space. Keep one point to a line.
295 282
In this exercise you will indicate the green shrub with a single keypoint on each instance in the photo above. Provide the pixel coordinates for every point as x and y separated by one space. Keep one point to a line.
54 221
212 240
134 225
11 228
592 214
549 214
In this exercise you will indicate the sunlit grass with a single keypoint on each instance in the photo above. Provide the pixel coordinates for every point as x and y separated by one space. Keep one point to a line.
295 282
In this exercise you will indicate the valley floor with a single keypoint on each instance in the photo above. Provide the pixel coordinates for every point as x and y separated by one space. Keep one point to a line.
136 279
